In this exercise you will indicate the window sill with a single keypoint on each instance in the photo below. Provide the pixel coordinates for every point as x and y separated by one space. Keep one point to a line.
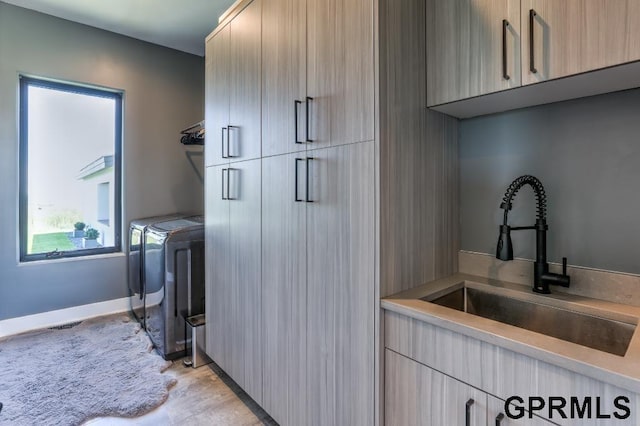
73 259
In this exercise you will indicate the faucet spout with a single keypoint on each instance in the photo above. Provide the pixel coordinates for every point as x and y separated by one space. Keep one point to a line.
542 277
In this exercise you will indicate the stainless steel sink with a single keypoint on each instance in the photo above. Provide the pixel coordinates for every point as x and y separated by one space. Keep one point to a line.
584 329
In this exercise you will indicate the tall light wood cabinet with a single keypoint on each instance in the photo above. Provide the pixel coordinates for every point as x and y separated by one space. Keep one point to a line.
284 229
314 209
575 36
473 48
307 82
233 198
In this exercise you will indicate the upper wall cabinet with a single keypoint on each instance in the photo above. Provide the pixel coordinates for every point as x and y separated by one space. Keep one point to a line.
473 48
482 47
284 75
561 38
233 87
244 100
340 71
217 97
316 91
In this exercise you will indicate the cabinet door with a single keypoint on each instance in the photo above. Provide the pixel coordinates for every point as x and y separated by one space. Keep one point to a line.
245 269
245 86
574 36
341 286
416 395
340 74
219 315
352 103
217 80
284 283
320 28
496 415
283 76
465 43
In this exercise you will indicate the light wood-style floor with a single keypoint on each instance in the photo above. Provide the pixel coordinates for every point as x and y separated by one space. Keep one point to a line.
202 396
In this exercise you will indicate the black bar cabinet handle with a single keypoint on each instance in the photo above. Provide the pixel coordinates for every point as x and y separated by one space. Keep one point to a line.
309 100
499 419
505 25
307 197
229 142
222 140
229 170
296 104
298 200
223 185
467 413
532 66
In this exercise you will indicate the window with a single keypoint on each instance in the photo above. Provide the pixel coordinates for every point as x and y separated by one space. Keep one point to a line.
70 170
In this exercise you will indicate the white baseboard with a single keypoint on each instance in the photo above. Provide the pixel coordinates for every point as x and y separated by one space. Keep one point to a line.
62 316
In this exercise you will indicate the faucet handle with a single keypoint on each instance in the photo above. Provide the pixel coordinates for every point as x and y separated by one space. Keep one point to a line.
564 266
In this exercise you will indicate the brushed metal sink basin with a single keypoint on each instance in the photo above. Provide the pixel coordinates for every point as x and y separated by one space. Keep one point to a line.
584 329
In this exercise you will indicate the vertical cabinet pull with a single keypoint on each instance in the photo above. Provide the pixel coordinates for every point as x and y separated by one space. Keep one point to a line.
307 108
229 197
296 105
223 184
227 185
499 419
467 412
222 140
229 141
298 200
307 196
505 25
532 64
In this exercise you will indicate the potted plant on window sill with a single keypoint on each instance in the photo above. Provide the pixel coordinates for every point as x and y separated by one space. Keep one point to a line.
78 231
90 238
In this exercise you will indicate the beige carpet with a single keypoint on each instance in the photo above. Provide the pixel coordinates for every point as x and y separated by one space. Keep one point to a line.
100 367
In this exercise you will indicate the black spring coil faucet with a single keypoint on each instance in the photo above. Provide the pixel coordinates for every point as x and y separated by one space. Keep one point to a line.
542 276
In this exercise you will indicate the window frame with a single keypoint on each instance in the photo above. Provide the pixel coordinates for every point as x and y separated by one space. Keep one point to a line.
23 165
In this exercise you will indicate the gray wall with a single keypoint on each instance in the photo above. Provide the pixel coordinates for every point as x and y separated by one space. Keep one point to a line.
586 152
164 92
